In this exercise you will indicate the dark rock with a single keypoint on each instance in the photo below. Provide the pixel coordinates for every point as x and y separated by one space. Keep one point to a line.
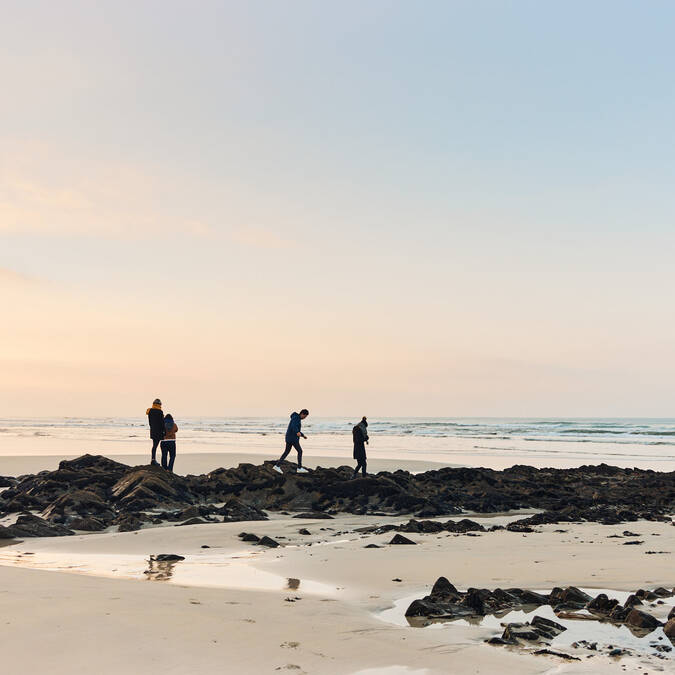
443 588
546 627
632 601
464 525
400 539
569 598
304 531
192 521
538 629
669 628
429 608
93 486
314 515
529 598
88 524
372 546
562 655
234 510
269 542
5 533
633 543
249 536
129 524
426 526
167 557
520 631
619 614
642 620
602 604
28 525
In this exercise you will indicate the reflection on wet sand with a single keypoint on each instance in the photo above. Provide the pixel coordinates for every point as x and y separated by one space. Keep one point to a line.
160 570
203 569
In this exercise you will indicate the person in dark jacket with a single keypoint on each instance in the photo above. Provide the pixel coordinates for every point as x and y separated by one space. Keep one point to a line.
156 422
169 443
360 435
293 436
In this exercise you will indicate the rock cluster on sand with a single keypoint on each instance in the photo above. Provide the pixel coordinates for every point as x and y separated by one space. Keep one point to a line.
92 492
446 603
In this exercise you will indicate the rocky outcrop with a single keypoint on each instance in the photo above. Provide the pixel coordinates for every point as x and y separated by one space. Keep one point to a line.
28 525
445 603
113 493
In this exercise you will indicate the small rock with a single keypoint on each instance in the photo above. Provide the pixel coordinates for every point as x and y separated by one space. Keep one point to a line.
167 557
400 539
249 536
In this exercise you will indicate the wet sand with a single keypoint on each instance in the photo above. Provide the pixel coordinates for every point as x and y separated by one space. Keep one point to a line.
312 609
201 463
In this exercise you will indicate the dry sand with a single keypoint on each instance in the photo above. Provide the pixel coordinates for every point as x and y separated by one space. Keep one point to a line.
84 619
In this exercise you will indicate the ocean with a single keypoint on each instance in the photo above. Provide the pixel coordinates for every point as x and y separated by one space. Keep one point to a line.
494 442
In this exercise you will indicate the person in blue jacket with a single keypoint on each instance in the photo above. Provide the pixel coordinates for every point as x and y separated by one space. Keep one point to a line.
293 436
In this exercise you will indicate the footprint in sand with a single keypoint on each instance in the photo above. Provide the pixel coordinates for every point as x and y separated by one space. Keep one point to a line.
290 645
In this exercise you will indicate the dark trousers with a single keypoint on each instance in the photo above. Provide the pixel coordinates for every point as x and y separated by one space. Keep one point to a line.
360 464
168 448
298 449
155 443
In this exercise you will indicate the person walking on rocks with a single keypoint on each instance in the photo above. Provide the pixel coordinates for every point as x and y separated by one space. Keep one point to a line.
156 422
293 436
360 435
169 443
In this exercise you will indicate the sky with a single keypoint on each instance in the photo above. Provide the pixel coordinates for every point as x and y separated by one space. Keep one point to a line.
386 208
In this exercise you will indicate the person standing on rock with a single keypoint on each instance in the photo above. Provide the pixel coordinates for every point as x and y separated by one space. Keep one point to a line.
293 436
169 443
156 422
360 435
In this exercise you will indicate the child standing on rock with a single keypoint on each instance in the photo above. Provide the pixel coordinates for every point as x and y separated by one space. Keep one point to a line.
169 443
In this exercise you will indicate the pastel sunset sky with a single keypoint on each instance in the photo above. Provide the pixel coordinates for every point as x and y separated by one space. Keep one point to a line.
440 208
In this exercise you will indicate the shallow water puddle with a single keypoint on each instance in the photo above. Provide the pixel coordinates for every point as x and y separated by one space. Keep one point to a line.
602 632
212 570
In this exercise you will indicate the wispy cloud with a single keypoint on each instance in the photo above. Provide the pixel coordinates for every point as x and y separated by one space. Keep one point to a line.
44 192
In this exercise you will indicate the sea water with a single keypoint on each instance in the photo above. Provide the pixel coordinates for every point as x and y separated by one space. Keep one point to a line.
490 442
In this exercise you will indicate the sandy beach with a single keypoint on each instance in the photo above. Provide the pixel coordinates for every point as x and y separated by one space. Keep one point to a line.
328 607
